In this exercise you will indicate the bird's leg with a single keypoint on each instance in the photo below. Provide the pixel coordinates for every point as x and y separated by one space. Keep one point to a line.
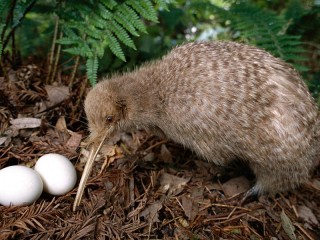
251 195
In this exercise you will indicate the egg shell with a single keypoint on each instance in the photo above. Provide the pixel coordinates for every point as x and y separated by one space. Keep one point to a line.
19 186
57 172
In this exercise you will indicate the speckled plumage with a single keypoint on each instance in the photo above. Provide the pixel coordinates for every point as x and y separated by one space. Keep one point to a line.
223 100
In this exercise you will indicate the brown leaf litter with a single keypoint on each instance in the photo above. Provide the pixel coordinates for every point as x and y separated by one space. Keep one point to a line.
141 187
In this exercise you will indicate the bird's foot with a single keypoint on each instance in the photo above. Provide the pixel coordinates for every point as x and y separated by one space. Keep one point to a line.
251 195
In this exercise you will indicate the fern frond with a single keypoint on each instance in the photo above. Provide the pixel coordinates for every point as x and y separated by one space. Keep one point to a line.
114 46
262 28
84 28
265 29
144 7
109 3
99 48
131 16
162 4
295 9
81 51
121 34
147 5
121 19
69 40
104 12
69 33
106 24
92 69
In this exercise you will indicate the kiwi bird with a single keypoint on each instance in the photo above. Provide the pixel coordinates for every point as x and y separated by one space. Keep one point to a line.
222 100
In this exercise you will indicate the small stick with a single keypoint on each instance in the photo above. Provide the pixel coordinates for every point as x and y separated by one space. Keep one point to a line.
55 33
74 71
57 57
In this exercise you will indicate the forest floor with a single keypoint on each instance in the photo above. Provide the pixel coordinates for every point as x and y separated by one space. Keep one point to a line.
141 187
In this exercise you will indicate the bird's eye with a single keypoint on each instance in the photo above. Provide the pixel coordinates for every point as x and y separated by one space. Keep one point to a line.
109 119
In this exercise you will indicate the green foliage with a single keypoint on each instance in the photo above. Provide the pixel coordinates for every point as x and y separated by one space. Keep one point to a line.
4 8
92 69
263 28
1 45
106 33
11 18
89 27
295 10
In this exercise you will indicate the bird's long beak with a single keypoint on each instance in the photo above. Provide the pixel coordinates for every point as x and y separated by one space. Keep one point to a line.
86 172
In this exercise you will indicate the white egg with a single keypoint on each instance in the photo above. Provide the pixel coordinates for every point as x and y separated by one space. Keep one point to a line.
57 172
19 186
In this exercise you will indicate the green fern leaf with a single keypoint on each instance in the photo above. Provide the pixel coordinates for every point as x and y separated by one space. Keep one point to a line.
68 41
295 9
262 28
83 52
99 48
90 30
104 12
131 16
82 49
92 69
144 7
300 68
114 46
147 5
96 22
68 32
109 3
74 51
105 24
267 30
121 34
121 19
162 4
